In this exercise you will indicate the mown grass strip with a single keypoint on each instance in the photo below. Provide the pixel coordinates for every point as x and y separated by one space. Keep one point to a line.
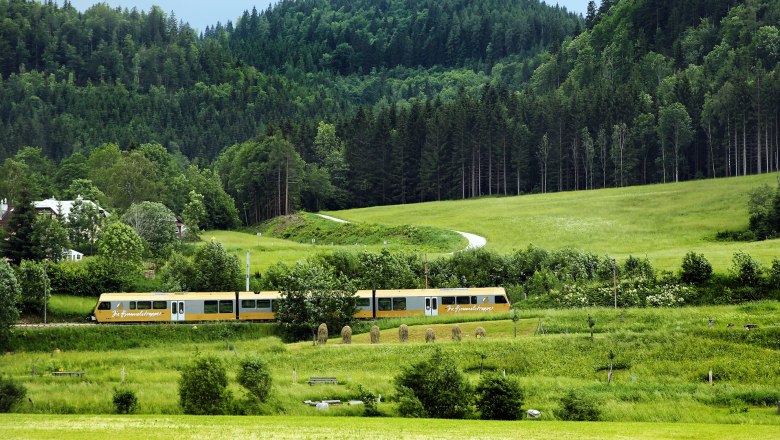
30 426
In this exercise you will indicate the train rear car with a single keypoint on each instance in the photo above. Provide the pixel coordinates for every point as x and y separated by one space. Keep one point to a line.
430 302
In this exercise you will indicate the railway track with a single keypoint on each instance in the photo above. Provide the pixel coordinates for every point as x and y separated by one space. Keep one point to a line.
54 324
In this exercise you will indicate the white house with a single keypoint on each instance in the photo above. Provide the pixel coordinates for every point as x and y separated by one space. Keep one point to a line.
63 207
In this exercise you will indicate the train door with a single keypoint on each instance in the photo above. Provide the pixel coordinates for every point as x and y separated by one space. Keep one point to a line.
177 311
431 306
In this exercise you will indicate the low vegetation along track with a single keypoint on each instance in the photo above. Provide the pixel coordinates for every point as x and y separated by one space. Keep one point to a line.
475 241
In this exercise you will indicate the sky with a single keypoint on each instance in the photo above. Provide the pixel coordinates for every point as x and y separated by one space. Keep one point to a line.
200 14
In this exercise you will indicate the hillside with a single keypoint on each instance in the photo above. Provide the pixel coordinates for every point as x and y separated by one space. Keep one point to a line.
661 222
382 103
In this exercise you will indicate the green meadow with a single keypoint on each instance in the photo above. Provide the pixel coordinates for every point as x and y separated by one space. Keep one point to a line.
662 222
662 359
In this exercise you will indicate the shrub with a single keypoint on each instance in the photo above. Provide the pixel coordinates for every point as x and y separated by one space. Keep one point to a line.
669 295
203 387
695 269
480 333
578 406
10 293
430 336
746 270
125 401
322 334
774 273
441 388
370 402
11 393
499 398
254 376
403 333
409 405
456 333
346 335
374 334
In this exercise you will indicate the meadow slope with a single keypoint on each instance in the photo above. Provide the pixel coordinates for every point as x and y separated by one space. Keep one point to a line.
661 222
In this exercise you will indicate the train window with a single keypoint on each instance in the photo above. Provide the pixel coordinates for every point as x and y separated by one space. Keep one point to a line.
226 307
363 302
385 304
447 300
500 299
462 299
473 300
399 303
104 305
263 303
144 305
247 304
132 305
209 307
160 305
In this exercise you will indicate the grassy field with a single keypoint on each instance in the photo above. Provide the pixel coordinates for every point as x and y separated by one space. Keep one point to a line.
662 222
194 427
662 358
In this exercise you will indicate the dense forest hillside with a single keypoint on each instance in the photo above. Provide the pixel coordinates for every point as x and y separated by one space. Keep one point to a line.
348 36
331 104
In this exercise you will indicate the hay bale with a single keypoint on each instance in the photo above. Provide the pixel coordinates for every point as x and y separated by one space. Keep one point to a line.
346 335
456 333
322 334
430 336
479 332
403 333
374 334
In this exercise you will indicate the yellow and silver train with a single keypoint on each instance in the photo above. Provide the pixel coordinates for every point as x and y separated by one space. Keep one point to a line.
260 306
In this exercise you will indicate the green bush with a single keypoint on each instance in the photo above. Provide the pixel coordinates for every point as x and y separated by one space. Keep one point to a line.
746 270
370 402
125 401
409 405
254 376
11 393
442 389
203 387
499 398
578 406
695 269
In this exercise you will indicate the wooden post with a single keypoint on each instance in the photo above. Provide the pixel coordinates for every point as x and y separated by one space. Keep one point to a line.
295 376
123 375
710 376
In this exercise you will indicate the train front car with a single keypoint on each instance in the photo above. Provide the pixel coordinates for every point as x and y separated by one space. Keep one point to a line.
117 308
430 302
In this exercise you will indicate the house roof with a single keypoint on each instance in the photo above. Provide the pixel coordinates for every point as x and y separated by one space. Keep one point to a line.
64 206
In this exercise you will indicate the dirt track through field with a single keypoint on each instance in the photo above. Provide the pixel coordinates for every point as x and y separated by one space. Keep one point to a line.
475 241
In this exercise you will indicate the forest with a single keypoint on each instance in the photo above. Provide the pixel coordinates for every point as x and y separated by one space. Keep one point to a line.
325 104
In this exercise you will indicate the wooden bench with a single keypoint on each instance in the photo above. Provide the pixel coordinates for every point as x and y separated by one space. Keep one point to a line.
68 373
323 380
